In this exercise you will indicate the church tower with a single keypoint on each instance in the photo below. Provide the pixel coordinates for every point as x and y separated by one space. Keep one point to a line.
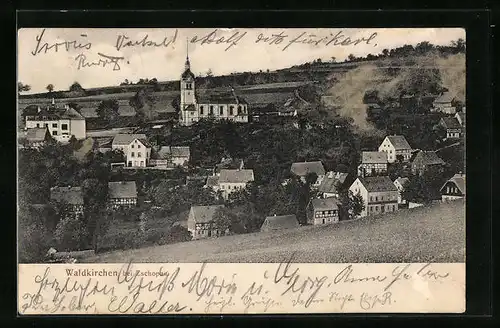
187 85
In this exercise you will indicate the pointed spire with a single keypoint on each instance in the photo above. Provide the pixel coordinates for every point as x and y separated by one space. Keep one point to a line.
187 65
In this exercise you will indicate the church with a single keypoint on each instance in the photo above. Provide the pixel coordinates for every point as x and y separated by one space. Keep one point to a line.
221 105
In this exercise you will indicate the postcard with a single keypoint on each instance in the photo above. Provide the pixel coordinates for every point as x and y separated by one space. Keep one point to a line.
241 170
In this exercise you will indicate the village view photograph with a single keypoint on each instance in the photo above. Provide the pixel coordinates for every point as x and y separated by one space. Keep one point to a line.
241 145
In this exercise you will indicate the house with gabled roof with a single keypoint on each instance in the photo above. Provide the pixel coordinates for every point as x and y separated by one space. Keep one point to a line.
323 211
423 160
70 196
37 137
373 163
379 194
136 148
302 169
396 148
454 188
279 222
122 194
444 103
201 221
230 180
452 126
171 156
331 184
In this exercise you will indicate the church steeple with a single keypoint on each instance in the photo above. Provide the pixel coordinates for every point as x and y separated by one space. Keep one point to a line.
187 65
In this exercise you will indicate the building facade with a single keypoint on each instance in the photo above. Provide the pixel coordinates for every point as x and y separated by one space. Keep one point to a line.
323 211
172 156
372 163
424 160
444 103
201 222
70 196
379 194
229 181
135 147
332 183
62 123
396 148
452 126
453 188
193 107
122 194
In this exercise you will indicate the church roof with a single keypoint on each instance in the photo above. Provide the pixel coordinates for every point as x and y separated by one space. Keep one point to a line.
187 73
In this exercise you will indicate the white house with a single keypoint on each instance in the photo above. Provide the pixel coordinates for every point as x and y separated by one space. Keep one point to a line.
396 146
453 188
379 194
135 147
62 123
193 107
201 221
229 181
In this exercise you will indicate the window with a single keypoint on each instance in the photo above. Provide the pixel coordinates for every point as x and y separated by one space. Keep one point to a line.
211 110
132 154
239 110
38 125
46 125
142 162
54 133
54 125
133 146
138 146
221 110
201 110
376 198
231 110
64 126
138 154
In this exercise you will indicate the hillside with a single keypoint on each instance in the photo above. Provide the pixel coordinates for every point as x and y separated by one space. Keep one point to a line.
434 234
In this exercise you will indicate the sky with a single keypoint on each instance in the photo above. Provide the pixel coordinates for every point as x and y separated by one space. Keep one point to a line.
40 63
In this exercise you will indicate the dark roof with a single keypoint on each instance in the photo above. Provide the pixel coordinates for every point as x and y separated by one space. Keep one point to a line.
325 204
280 222
203 214
264 99
458 180
303 168
450 123
229 163
462 117
399 142
36 134
425 157
187 73
445 97
329 183
236 176
379 183
402 181
126 139
69 195
56 112
227 96
374 157
212 181
174 151
122 189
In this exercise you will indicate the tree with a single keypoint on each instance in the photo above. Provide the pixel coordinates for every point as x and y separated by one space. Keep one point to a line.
108 110
76 87
351 58
385 53
333 59
70 234
351 205
50 88
144 102
23 87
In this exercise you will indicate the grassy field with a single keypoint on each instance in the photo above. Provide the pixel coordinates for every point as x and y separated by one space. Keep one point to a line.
434 234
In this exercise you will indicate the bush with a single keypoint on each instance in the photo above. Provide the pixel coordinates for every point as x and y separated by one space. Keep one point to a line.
70 234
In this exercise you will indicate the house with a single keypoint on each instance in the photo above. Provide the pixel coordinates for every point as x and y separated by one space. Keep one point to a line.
230 181
331 183
71 196
400 185
453 188
423 160
443 103
62 123
37 137
279 222
223 105
379 194
201 221
122 194
302 169
323 211
135 147
228 163
452 126
171 156
396 148
372 163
